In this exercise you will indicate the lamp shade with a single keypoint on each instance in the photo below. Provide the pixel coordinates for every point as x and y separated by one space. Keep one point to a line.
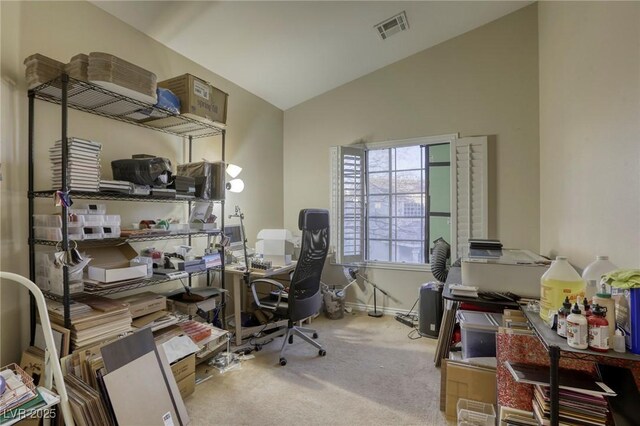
233 170
235 185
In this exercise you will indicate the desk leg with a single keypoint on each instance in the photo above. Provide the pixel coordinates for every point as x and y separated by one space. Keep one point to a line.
554 360
237 307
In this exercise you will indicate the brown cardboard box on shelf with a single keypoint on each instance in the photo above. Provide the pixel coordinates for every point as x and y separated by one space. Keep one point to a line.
187 385
474 382
183 368
198 98
144 303
111 264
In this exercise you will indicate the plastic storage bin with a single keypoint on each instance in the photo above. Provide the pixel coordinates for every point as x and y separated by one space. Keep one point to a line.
95 208
92 233
91 219
111 220
475 413
47 220
111 232
478 331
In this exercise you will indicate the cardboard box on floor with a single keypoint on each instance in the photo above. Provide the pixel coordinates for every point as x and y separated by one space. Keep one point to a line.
468 381
111 264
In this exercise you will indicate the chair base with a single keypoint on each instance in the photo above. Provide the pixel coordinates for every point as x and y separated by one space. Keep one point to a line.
301 332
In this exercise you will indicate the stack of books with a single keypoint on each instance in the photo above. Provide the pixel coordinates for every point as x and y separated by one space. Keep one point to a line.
576 407
104 320
83 171
583 398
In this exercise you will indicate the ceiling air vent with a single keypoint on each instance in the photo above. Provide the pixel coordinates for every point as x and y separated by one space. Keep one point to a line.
393 25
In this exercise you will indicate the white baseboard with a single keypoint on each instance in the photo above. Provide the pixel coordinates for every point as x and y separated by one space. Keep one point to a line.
361 307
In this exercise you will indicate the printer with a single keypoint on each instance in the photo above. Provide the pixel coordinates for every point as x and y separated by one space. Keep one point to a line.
505 270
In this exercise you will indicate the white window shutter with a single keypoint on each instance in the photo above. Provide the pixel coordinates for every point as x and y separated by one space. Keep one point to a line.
348 203
469 177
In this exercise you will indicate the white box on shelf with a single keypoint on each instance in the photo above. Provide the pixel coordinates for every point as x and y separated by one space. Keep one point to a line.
111 220
111 264
91 219
95 208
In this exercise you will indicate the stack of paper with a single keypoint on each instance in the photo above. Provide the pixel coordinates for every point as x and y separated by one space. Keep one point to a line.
106 319
87 405
120 186
463 290
83 170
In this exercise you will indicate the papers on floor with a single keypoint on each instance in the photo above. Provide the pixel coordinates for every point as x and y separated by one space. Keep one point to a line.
17 392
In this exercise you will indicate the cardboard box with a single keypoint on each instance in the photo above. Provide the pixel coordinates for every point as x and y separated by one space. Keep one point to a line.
198 98
145 303
191 308
474 382
111 264
183 368
187 385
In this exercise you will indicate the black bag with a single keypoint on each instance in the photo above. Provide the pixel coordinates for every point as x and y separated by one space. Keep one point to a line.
154 171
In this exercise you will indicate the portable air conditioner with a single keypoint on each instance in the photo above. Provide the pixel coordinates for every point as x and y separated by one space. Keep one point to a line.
430 309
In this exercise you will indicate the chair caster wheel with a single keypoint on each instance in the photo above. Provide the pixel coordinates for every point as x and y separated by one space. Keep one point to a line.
322 352
258 348
315 335
290 339
283 361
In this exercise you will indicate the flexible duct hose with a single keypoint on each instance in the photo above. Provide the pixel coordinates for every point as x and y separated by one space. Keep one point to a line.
441 252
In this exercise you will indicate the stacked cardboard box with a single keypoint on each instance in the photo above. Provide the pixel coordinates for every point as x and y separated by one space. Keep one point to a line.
41 69
122 77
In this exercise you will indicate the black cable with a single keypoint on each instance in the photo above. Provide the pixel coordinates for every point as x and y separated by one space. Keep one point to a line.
415 330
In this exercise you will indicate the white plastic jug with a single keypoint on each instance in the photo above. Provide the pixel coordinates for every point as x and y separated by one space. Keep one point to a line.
560 281
593 273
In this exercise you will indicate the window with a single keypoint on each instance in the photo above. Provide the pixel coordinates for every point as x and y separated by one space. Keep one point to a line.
391 200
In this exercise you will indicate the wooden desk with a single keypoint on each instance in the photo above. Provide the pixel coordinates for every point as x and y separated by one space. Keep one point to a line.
238 294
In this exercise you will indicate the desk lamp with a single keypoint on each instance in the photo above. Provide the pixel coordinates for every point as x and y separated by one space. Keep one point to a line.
234 185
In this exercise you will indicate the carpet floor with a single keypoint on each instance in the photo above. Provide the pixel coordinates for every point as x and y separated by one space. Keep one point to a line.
373 374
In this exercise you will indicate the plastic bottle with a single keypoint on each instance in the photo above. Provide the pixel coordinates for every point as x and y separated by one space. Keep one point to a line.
598 329
618 342
562 318
603 298
593 273
560 281
586 308
577 329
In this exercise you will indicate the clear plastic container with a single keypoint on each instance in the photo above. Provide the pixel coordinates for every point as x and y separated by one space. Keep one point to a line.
111 220
91 219
560 281
47 220
593 273
475 413
45 233
95 208
478 330
111 232
92 233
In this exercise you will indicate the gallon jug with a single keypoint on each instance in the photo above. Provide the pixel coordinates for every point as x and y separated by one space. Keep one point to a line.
594 272
560 281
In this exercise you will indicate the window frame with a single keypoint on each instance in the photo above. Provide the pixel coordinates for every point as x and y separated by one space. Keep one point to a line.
426 140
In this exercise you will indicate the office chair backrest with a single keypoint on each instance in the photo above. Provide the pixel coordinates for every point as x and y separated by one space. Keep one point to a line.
305 298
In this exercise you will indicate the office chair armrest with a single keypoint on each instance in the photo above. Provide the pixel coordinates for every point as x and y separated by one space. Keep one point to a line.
272 283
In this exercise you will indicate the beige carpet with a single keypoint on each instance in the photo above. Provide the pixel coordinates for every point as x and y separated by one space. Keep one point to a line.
373 374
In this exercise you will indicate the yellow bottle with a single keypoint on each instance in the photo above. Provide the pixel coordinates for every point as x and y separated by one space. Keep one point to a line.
560 281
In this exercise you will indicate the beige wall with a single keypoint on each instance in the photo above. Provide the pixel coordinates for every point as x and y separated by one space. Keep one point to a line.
589 130
62 29
484 82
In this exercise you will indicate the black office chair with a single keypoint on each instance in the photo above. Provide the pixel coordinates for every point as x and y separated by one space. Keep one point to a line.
303 298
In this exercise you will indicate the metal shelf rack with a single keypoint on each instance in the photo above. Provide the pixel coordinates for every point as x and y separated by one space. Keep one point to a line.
134 239
129 285
558 347
114 196
93 99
